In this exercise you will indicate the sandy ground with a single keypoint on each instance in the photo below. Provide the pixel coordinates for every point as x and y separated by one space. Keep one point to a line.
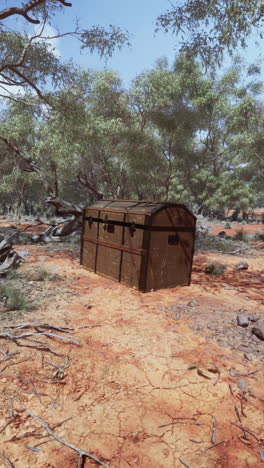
131 374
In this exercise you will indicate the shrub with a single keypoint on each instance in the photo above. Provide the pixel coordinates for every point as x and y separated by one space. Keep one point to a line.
215 269
240 236
42 274
228 226
15 298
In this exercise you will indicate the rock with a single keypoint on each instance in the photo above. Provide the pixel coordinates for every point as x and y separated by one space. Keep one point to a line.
241 266
232 372
193 303
223 344
243 320
254 317
248 356
228 287
241 383
242 311
243 348
259 332
215 269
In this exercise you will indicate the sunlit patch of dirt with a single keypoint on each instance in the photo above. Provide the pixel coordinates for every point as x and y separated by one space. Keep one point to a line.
138 368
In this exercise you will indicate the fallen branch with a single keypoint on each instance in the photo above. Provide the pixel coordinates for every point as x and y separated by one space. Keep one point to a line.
81 452
7 460
246 430
182 422
184 463
212 446
214 430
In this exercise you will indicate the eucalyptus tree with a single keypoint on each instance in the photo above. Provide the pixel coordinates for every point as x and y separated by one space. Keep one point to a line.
208 28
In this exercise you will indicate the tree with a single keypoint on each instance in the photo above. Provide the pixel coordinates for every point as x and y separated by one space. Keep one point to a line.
209 27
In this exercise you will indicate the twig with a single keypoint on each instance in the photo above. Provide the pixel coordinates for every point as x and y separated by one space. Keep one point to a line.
44 442
252 372
31 448
214 430
212 446
7 424
11 409
182 422
218 378
231 389
67 444
7 460
242 408
261 453
184 463
195 441
88 326
246 430
238 415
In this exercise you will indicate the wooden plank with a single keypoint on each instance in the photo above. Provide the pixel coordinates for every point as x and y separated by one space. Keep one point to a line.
169 265
131 267
89 253
111 245
108 262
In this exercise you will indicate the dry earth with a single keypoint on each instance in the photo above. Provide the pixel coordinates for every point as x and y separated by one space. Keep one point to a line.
130 375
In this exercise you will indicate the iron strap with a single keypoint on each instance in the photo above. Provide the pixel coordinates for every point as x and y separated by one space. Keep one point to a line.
145 227
120 247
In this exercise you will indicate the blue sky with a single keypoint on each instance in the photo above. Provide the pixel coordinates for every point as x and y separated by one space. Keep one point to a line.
138 17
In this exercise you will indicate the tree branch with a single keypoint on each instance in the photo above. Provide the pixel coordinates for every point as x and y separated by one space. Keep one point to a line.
26 9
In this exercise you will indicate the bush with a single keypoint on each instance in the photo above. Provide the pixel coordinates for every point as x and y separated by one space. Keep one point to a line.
42 274
215 269
240 236
259 236
228 226
15 299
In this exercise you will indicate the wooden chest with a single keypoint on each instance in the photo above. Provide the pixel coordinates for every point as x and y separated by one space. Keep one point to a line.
145 245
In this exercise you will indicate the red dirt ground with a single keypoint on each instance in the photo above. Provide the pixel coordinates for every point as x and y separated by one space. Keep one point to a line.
131 373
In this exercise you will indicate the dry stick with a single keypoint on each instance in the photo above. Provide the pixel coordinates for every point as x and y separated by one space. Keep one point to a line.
212 446
44 442
242 408
7 424
67 444
214 430
231 389
31 448
246 430
261 454
195 441
218 378
184 463
7 460
182 422
252 372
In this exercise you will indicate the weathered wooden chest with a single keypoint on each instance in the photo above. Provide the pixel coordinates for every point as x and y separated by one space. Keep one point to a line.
145 245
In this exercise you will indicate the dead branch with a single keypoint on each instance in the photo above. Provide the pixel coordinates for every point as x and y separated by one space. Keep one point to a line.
183 422
212 446
7 460
82 453
24 11
246 430
184 463
214 430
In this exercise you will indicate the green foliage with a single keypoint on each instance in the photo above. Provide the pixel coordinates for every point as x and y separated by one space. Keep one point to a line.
16 299
208 28
215 269
240 236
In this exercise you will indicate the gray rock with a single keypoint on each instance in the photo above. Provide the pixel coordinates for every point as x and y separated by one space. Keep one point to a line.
241 383
243 320
259 332
223 344
243 348
193 303
232 372
241 266
248 356
254 317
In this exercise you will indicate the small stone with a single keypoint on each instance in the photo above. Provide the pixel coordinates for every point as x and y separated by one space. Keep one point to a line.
248 356
241 266
228 287
224 344
241 383
232 372
243 348
193 303
242 311
243 320
254 317
259 332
